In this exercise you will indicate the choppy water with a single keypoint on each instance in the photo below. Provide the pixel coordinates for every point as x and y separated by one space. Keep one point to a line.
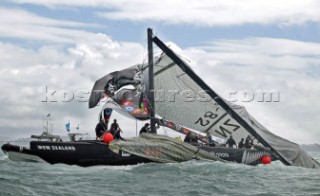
189 178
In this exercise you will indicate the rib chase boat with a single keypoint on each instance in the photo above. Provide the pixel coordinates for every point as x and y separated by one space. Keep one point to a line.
141 92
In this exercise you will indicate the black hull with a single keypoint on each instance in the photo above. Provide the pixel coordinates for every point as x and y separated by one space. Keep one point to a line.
91 153
244 156
85 153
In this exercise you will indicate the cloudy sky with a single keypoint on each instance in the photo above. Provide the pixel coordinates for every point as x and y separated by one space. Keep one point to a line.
235 46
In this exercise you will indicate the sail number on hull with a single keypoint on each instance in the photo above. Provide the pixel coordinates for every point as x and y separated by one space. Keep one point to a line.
211 119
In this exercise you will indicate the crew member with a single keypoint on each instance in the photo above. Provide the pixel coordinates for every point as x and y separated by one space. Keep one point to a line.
230 142
190 138
115 125
145 129
241 143
117 135
112 130
249 142
210 141
100 129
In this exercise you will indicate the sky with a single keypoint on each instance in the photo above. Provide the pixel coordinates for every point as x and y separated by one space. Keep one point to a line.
236 46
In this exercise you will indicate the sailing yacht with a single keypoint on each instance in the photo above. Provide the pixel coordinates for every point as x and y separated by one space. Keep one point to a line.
207 113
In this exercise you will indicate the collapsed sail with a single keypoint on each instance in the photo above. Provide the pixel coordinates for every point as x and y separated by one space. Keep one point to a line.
180 99
162 149
112 82
125 88
110 106
183 97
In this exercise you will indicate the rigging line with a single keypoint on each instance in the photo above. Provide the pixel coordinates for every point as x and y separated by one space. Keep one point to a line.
146 56
165 131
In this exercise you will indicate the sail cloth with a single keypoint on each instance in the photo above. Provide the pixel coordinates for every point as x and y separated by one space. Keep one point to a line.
110 106
183 97
182 101
112 82
116 86
292 152
160 148
134 102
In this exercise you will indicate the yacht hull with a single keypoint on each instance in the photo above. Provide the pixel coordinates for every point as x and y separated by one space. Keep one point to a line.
90 153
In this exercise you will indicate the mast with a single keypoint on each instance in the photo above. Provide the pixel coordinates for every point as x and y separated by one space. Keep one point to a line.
151 82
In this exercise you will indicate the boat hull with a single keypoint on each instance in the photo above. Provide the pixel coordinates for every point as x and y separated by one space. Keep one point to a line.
84 153
244 156
20 154
90 153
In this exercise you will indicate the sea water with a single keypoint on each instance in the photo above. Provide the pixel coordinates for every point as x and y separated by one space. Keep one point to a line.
188 178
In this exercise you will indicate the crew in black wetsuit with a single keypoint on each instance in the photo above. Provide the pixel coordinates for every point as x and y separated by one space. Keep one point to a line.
112 130
100 129
115 125
210 141
117 135
190 138
115 130
144 129
248 143
241 143
230 142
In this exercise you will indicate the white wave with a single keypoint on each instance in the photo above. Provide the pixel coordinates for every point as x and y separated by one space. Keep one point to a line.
4 157
121 168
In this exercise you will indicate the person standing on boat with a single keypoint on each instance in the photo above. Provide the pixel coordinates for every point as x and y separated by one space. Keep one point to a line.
241 143
100 129
115 124
230 142
144 129
249 142
115 130
210 141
